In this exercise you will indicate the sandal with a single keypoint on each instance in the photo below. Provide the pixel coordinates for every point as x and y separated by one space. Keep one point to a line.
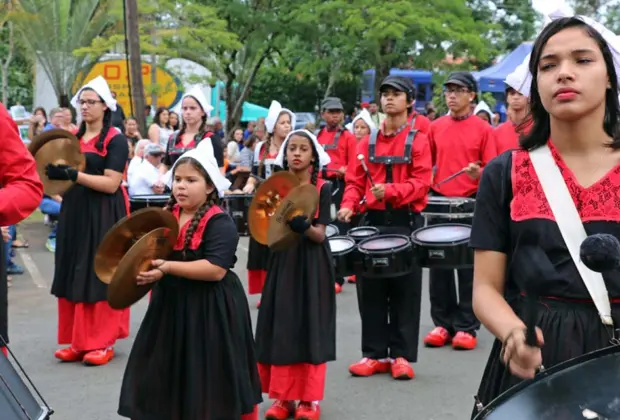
20 244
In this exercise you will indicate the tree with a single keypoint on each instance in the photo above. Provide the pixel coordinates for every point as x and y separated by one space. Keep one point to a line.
53 29
8 47
605 11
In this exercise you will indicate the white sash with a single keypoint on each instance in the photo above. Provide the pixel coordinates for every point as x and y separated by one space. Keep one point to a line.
570 225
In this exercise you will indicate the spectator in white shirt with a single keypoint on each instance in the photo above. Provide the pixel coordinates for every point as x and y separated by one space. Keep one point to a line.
145 179
138 157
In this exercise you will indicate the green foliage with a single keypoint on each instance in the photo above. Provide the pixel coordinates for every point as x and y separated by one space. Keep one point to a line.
605 11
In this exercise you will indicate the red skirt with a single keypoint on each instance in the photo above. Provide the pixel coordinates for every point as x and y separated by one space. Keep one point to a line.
256 281
251 416
91 326
298 382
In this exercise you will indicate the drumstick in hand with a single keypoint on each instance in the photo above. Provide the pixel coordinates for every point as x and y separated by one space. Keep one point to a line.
360 157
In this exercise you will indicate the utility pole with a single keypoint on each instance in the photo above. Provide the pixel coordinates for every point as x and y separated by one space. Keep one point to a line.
135 63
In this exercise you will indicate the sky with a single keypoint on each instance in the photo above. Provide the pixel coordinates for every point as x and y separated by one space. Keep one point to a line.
547 6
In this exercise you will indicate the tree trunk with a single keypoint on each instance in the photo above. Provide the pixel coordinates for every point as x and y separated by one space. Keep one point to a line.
7 62
153 71
331 80
383 67
135 64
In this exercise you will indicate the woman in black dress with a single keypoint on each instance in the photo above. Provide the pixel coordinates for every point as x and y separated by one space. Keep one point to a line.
86 322
575 112
193 358
296 328
279 122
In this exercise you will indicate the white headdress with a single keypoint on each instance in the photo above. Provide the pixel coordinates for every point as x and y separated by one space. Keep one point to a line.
275 109
483 107
521 78
324 158
204 155
364 115
100 86
196 93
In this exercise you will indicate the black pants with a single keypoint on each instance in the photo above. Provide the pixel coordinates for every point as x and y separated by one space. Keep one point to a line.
337 194
390 307
446 311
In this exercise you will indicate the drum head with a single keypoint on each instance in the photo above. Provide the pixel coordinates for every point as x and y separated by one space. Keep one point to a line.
384 243
331 230
442 234
341 244
582 388
363 232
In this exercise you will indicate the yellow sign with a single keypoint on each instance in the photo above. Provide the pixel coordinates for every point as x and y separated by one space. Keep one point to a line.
168 87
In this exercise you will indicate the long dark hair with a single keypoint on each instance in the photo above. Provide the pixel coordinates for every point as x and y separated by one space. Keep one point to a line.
541 128
315 154
212 200
202 127
107 123
157 117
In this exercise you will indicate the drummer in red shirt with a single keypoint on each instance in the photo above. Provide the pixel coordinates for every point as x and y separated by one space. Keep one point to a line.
418 121
399 161
458 141
340 145
507 134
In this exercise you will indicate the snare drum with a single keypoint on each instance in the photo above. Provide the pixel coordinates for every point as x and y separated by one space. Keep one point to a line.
17 401
332 230
364 232
443 246
386 256
237 206
138 202
586 387
342 253
449 207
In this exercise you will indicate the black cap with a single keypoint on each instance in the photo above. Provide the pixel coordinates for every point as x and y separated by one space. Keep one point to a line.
401 84
332 103
462 78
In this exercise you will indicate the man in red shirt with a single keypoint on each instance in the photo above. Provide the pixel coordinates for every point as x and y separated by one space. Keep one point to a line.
340 145
458 141
21 193
399 161
507 134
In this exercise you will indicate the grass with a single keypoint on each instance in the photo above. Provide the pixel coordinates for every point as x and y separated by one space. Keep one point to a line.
35 217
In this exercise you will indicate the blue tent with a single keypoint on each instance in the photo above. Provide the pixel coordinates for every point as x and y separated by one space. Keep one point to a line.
250 112
492 79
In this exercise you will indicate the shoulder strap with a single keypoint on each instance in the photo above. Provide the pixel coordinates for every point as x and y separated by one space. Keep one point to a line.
571 226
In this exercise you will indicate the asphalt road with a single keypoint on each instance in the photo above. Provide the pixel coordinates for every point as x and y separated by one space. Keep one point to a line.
443 389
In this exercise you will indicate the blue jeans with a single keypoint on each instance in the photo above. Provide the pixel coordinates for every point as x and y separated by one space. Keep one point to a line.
7 245
51 208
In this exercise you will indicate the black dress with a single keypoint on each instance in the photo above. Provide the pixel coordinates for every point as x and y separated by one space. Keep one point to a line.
297 320
510 201
175 149
193 358
85 217
4 294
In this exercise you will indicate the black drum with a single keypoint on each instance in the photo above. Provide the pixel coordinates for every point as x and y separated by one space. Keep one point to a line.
586 387
342 254
138 202
364 232
17 402
449 207
237 205
386 256
443 246
332 230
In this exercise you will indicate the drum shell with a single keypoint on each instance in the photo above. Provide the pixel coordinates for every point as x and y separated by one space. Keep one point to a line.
343 261
16 397
444 255
386 263
138 202
237 206
449 208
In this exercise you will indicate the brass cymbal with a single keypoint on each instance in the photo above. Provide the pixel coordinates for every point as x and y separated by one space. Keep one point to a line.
123 290
265 202
58 147
302 200
125 233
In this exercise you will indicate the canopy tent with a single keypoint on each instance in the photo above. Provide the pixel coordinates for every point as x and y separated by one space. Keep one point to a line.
492 79
250 112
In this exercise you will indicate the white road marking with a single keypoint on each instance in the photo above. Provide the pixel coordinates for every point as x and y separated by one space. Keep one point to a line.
34 271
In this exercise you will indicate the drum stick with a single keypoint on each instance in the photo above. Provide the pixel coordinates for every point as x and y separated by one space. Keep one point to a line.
258 178
360 157
451 177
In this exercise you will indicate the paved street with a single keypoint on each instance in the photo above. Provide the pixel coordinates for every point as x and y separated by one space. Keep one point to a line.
443 389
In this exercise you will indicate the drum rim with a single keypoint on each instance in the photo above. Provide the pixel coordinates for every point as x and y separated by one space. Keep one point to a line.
384 251
335 227
344 252
442 198
375 231
445 243
237 196
147 196
504 396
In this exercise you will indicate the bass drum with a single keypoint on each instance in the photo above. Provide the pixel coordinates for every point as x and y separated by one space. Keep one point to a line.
587 387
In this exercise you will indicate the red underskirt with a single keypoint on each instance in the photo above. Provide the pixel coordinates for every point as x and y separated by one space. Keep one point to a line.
4 351
256 281
298 382
251 416
91 326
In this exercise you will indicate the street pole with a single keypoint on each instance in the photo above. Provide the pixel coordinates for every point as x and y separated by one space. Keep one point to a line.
135 63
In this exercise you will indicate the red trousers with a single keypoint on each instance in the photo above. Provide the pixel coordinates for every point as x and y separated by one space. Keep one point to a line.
91 326
298 382
256 281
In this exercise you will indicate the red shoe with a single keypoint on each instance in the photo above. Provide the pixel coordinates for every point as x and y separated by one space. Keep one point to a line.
280 410
368 367
352 279
401 369
99 357
464 341
439 337
69 355
338 288
308 411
